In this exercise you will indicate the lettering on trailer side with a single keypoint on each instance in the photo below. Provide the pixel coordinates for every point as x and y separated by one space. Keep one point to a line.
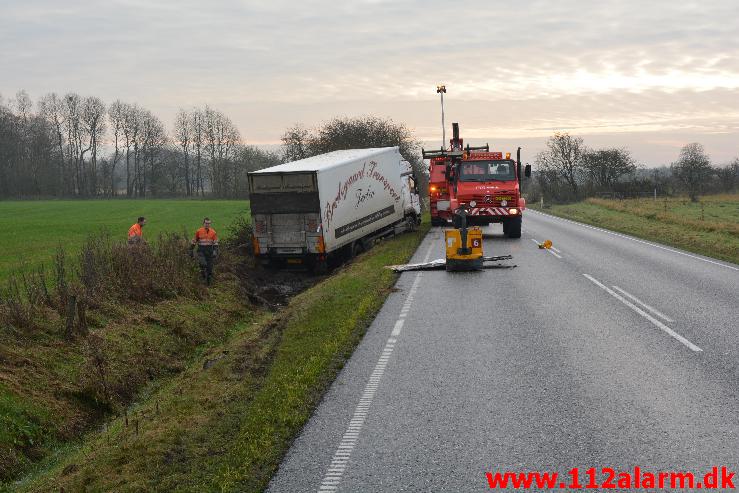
366 220
344 186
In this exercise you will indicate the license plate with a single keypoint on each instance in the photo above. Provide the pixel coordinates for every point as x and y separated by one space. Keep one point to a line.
295 261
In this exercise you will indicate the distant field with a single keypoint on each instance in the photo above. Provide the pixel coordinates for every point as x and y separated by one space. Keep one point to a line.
32 230
709 227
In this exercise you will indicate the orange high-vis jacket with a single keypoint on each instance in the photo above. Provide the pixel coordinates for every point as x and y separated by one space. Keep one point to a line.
206 237
135 230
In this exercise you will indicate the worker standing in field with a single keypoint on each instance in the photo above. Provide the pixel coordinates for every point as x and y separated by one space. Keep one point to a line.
206 241
136 232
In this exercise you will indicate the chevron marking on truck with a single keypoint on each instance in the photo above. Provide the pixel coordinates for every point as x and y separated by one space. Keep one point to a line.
488 211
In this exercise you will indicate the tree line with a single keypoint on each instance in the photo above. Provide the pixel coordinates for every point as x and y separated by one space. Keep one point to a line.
75 146
567 170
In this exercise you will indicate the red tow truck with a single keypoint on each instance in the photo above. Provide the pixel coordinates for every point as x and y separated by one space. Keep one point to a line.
489 183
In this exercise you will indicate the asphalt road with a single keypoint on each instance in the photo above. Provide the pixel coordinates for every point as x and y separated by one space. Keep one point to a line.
545 367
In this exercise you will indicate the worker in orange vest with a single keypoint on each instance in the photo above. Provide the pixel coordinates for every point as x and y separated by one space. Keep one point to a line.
136 232
206 241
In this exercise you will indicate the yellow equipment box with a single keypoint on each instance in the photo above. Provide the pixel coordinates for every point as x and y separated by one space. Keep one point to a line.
463 257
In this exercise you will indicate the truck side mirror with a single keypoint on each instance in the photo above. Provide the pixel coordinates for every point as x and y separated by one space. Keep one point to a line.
527 171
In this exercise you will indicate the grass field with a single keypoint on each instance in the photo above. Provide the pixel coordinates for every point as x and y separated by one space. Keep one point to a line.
709 227
34 229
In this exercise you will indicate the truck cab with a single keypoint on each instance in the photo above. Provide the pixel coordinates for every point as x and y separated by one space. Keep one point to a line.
409 191
488 182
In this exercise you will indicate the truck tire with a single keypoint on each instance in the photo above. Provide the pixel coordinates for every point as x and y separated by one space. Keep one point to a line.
356 248
505 226
435 221
514 227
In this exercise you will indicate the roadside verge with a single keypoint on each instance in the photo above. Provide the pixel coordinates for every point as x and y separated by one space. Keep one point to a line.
709 238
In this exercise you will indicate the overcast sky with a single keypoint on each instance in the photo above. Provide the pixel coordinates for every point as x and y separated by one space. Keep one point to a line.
648 75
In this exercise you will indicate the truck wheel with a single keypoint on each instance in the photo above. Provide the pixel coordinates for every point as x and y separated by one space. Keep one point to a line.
505 226
435 221
514 227
356 248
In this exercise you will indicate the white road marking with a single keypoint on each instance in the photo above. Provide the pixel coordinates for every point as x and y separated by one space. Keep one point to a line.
655 245
644 314
650 308
335 470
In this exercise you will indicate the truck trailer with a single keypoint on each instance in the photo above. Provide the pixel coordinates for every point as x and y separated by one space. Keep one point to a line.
331 206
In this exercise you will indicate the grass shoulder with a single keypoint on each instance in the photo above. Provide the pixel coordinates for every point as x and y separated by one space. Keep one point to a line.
709 227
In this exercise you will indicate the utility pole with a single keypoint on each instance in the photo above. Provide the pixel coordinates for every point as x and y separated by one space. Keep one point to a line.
441 90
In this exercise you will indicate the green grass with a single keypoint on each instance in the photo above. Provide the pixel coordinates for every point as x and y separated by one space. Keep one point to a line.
32 230
709 227
23 426
53 389
225 422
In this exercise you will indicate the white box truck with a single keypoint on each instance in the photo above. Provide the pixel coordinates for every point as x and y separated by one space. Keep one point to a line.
331 206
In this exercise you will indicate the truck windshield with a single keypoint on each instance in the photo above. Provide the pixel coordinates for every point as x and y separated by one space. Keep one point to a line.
487 171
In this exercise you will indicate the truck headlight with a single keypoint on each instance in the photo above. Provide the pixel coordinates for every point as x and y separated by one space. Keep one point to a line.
503 203
513 211
473 203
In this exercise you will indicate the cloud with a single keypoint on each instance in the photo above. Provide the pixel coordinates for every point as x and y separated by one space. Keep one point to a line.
514 68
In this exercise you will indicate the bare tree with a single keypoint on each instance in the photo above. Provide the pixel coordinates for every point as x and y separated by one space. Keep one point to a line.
183 134
221 140
51 109
692 169
130 137
564 159
295 143
76 139
153 139
198 143
22 105
116 115
93 119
